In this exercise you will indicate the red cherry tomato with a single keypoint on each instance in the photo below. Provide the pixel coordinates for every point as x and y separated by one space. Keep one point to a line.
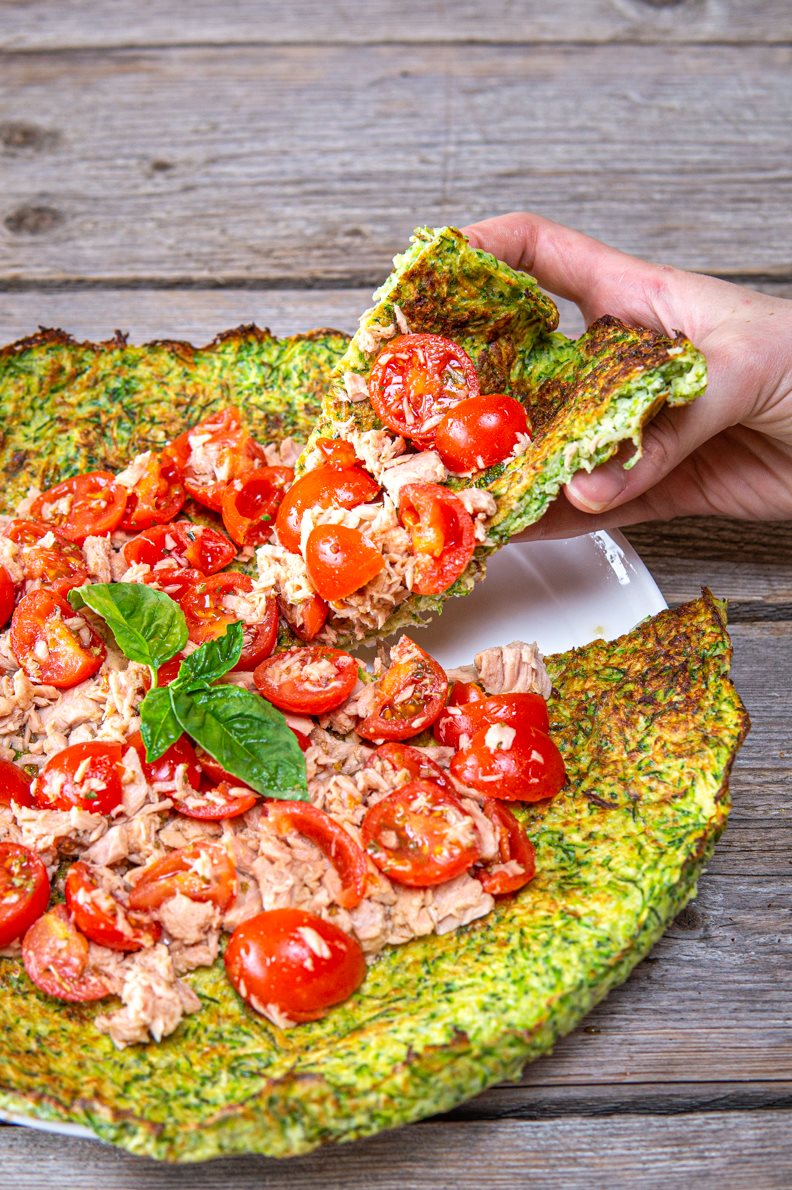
326 487
226 800
480 432
214 771
6 597
306 618
249 504
442 532
340 560
24 890
420 835
156 498
102 918
416 379
59 566
166 673
55 955
286 962
163 771
515 849
203 872
182 544
205 607
463 693
14 785
89 505
518 710
521 766
85 775
337 453
212 453
333 841
409 695
308 681
173 580
395 759
53 644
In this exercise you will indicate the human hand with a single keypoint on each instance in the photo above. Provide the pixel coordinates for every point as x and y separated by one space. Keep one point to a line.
730 452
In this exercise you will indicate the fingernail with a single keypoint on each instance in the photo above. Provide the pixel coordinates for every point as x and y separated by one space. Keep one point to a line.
598 491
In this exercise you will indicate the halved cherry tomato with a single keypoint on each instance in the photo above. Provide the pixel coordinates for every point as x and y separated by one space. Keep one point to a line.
213 452
182 544
214 771
24 890
337 453
442 532
6 597
53 644
55 955
286 962
340 560
163 770
409 695
203 872
249 504
394 759
207 614
166 673
90 505
325 487
416 379
306 618
420 835
518 710
463 693
85 775
480 431
104 919
521 766
335 843
59 566
157 497
14 785
226 800
307 681
515 849
173 580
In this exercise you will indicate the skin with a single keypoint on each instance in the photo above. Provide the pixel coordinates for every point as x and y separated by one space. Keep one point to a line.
730 452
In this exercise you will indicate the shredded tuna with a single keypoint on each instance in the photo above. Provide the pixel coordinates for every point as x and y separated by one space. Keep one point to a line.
99 555
513 669
154 999
424 467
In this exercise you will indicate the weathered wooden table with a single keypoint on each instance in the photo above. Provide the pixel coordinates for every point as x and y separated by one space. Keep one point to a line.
174 169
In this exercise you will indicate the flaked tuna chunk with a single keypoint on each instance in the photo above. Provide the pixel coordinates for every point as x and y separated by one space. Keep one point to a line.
188 921
517 668
154 999
424 467
458 902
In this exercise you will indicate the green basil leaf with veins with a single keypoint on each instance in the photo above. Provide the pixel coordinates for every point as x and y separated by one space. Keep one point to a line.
159 727
246 735
147 624
212 659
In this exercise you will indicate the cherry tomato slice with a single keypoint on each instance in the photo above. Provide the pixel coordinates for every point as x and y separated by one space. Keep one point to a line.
336 844
214 771
166 673
416 379
325 487
173 580
460 721
516 864
205 607
409 695
85 775
293 964
14 785
90 505
463 693
163 772
213 452
203 872
59 566
340 560
337 453
511 766
55 955
250 504
6 597
395 759
156 498
420 835
480 431
53 644
442 532
308 681
183 544
24 890
102 918
226 800
306 618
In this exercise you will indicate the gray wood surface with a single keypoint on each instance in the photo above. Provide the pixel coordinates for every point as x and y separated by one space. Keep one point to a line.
176 169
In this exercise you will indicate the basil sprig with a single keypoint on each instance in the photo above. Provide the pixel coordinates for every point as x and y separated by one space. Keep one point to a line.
241 730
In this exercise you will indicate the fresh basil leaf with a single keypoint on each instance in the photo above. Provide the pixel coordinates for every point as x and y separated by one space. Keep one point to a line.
147 624
212 659
159 727
246 735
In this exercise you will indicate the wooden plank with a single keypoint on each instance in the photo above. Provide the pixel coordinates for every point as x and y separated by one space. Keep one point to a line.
707 1149
55 24
180 165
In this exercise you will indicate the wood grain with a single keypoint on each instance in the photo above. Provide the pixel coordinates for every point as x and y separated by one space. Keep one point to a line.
303 164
